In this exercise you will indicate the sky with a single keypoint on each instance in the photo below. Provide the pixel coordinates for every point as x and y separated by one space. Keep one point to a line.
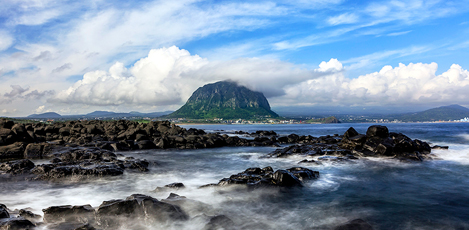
75 57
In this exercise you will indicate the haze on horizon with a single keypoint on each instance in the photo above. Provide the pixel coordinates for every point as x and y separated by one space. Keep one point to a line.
74 57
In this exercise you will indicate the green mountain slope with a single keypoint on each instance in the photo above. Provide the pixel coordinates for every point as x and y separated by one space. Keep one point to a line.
444 113
225 100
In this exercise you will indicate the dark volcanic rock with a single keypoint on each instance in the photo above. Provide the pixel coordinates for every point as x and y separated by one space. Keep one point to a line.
29 215
83 163
68 213
137 207
257 177
17 166
16 224
378 131
4 212
357 224
15 150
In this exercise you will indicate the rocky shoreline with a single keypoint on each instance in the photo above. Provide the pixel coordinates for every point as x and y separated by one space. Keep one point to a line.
79 150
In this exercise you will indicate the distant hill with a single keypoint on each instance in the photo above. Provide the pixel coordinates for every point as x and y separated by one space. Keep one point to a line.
97 114
51 115
326 120
224 99
443 113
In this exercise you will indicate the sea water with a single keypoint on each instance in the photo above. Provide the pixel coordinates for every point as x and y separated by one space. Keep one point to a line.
387 193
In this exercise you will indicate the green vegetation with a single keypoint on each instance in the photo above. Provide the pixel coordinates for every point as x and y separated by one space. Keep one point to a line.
326 120
224 100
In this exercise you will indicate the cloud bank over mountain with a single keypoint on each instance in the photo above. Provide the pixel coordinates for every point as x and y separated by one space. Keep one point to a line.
168 76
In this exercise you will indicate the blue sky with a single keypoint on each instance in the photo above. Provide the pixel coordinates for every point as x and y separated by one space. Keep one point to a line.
79 56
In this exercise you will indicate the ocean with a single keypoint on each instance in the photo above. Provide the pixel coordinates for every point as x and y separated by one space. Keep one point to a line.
386 193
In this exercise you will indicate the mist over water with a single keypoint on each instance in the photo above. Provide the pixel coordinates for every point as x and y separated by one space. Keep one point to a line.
386 193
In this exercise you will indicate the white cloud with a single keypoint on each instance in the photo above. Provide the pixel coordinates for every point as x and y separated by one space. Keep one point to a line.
402 85
346 18
157 79
6 40
40 109
399 33
168 76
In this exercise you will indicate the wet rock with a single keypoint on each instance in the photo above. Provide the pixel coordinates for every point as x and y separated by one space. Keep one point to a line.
69 213
219 222
18 223
28 215
257 177
59 171
189 206
304 174
6 124
176 185
351 132
17 166
357 224
4 212
285 179
378 131
36 150
15 150
306 161
332 159
114 212
440 147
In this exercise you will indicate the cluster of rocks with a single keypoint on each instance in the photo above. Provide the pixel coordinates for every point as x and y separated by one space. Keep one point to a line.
39 139
134 212
22 221
378 142
266 177
78 163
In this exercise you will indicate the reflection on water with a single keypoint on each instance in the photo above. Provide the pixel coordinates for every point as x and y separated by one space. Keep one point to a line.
386 193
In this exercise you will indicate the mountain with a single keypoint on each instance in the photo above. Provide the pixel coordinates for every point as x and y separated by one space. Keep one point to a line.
100 114
108 114
45 115
443 113
227 100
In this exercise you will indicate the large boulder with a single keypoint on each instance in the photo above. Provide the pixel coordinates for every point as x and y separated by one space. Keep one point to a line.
18 223
4 212
15 150
113 213
7 124
69 213
378 131
257 177
36 150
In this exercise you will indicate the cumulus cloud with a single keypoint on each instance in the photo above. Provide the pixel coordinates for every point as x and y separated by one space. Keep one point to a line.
401 85
168 76
155 79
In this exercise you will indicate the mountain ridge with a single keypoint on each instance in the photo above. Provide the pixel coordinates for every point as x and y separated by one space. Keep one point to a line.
227 100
